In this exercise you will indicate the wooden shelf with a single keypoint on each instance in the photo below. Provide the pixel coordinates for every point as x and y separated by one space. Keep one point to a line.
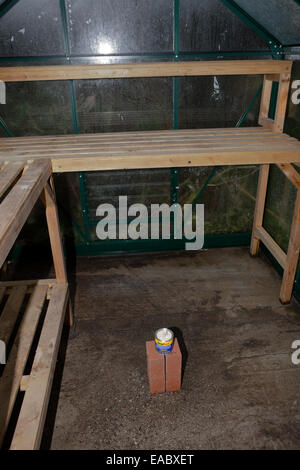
20 186
154 149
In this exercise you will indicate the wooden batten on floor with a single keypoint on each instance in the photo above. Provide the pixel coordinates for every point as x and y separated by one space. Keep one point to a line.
36 384
30 424
14 368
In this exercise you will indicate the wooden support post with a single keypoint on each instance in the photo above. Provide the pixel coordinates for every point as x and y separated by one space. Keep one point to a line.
282 97
292 255
55 239
259 206
265 102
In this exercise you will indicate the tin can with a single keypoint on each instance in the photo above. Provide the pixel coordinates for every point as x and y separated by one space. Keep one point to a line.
164 339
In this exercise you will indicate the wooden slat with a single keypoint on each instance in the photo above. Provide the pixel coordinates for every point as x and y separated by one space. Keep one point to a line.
13 371
291 173
154 69
171 160
29 283
9 174
55 238
30 424
54 233
272 246
292 255
11 311
259 207
16 207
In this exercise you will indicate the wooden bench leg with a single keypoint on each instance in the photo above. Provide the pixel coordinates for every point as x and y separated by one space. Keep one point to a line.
56 241
292 255
259 206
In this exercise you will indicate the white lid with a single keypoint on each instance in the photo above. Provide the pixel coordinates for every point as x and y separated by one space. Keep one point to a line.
164 335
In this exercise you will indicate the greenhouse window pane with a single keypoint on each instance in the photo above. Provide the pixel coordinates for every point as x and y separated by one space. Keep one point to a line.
281 18
120 26
124 104
37 108
209 101
210 26
32 28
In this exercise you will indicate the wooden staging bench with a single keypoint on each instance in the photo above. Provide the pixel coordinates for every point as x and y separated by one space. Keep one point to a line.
31 161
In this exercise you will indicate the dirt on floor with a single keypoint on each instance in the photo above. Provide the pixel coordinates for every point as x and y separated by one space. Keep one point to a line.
240 388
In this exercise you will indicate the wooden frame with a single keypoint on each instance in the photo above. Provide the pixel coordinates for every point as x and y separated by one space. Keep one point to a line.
31 160
21 185
289 260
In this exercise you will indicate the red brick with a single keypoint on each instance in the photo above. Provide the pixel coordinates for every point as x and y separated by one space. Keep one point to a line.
156 369
173 368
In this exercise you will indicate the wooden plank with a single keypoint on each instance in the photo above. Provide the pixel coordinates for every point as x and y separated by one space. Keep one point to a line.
259 207
282 97
28 432
208 158
55 238
9 174
287 283
188 157
265 102
153 69
16 207
291 173
272 246
31 282
13 371
11 311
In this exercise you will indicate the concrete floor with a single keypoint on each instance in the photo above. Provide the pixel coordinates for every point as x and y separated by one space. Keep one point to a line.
240 389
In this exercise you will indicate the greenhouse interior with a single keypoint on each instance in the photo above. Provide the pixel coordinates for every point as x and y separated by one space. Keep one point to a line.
149 225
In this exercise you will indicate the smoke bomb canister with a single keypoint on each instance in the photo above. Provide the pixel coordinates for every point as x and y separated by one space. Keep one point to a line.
164 339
